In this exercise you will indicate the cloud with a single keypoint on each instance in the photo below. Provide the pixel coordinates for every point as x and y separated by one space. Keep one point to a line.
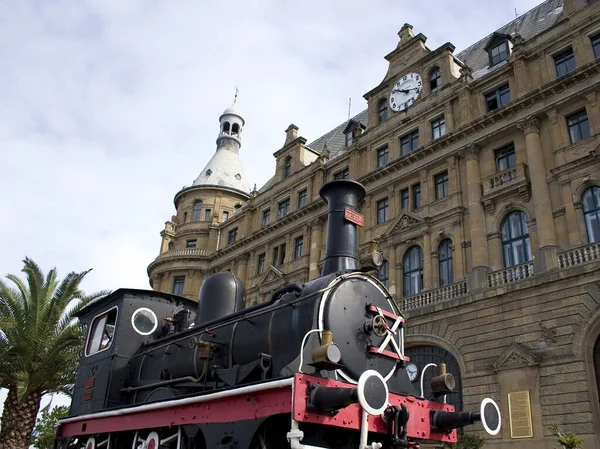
108 108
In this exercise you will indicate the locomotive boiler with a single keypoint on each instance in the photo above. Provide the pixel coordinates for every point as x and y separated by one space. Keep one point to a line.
317 365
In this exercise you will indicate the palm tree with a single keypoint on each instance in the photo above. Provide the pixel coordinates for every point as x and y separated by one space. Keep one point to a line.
40 345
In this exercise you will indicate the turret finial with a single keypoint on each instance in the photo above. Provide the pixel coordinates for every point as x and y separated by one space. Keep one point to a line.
236 94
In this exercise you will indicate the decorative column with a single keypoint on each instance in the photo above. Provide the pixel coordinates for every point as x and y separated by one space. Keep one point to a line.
399 271
540 193
242 267
427 275
391 257
316 229
479 249
458 256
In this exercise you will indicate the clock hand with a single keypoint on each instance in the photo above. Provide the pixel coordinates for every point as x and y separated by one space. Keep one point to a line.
403 91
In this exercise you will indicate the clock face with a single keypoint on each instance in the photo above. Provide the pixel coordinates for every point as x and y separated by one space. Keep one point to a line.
405 91
412 371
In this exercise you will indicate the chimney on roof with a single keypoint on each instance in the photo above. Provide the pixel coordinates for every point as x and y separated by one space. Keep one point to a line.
291 133
405 33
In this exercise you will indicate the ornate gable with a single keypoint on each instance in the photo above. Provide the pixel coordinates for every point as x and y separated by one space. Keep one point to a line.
406 220
270 276
514 357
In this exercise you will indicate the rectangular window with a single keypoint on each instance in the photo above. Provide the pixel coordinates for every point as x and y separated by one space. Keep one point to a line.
207 214
232 236
190 243
225 216
302 198
506 158
178 283
348 139
299 243
342 174
283 208
260 266
438 128
416 189
579 126
497 98
441 185
409 143
102 332
275 256
382 157
382 211
596 45
281 254
404 199
266 217
498 53
564 62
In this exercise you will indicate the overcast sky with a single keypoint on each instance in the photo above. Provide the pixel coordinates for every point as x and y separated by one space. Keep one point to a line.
108 108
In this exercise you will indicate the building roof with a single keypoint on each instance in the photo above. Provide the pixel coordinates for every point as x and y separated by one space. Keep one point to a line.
224 170
528 25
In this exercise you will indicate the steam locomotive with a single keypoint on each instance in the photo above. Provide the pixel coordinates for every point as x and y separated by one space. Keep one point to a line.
319 365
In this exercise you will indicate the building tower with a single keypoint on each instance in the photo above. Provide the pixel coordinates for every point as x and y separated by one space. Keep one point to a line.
194 234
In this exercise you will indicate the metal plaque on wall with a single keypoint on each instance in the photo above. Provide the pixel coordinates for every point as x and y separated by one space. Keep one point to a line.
519 410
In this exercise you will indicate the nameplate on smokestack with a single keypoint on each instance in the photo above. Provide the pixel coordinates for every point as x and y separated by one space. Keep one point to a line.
354 217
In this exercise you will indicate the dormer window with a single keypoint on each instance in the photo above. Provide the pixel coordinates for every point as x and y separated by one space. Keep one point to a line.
435 80
287 169
499 53
352 130
382 110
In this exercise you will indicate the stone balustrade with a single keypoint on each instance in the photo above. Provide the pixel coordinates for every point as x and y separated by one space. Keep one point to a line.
509 275
183 252
506 178
579 256
433 296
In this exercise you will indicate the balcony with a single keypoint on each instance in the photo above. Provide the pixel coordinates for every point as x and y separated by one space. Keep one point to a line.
434 296
186 253
579 256
505 183
510 275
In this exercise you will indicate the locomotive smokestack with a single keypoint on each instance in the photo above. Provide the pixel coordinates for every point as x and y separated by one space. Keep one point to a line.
341 249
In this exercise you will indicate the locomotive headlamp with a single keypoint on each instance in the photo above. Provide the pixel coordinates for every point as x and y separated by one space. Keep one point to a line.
444 382
328 354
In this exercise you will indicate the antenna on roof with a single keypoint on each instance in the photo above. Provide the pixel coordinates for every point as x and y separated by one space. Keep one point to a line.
236 94
349 105
516 15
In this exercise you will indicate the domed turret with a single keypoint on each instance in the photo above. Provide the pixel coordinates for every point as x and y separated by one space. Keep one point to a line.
225 168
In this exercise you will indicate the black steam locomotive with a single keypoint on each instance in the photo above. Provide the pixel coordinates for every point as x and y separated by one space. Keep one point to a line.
319 365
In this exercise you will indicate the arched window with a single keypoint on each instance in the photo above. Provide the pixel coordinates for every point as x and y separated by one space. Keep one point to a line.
382 110
445 255
196 210
287 169
235 129
383 274
435 80
515 239
413 271
591 213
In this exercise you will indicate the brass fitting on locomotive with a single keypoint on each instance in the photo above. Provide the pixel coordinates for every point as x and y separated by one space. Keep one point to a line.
444 382
328 354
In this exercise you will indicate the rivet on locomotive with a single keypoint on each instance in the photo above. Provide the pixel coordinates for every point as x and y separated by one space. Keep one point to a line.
318 365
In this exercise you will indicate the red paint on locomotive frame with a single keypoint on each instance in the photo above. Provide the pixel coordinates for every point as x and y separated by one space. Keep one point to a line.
385 313
354 217
419 425
375 350
232 408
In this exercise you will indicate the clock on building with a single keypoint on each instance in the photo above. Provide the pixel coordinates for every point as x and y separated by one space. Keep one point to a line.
405 92
412 371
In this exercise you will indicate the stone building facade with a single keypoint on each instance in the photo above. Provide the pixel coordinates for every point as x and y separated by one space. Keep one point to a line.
482 171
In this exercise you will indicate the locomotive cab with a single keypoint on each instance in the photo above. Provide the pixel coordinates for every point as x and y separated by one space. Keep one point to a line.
117 325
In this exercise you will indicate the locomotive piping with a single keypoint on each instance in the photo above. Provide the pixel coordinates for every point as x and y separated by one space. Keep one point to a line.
341 249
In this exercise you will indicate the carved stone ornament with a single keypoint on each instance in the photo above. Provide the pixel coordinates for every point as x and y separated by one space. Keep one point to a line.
470 152
466 74
405 222
529 124
514 357
272 274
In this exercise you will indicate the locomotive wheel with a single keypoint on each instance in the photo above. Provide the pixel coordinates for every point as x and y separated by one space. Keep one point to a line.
97 441
272 433
162 438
